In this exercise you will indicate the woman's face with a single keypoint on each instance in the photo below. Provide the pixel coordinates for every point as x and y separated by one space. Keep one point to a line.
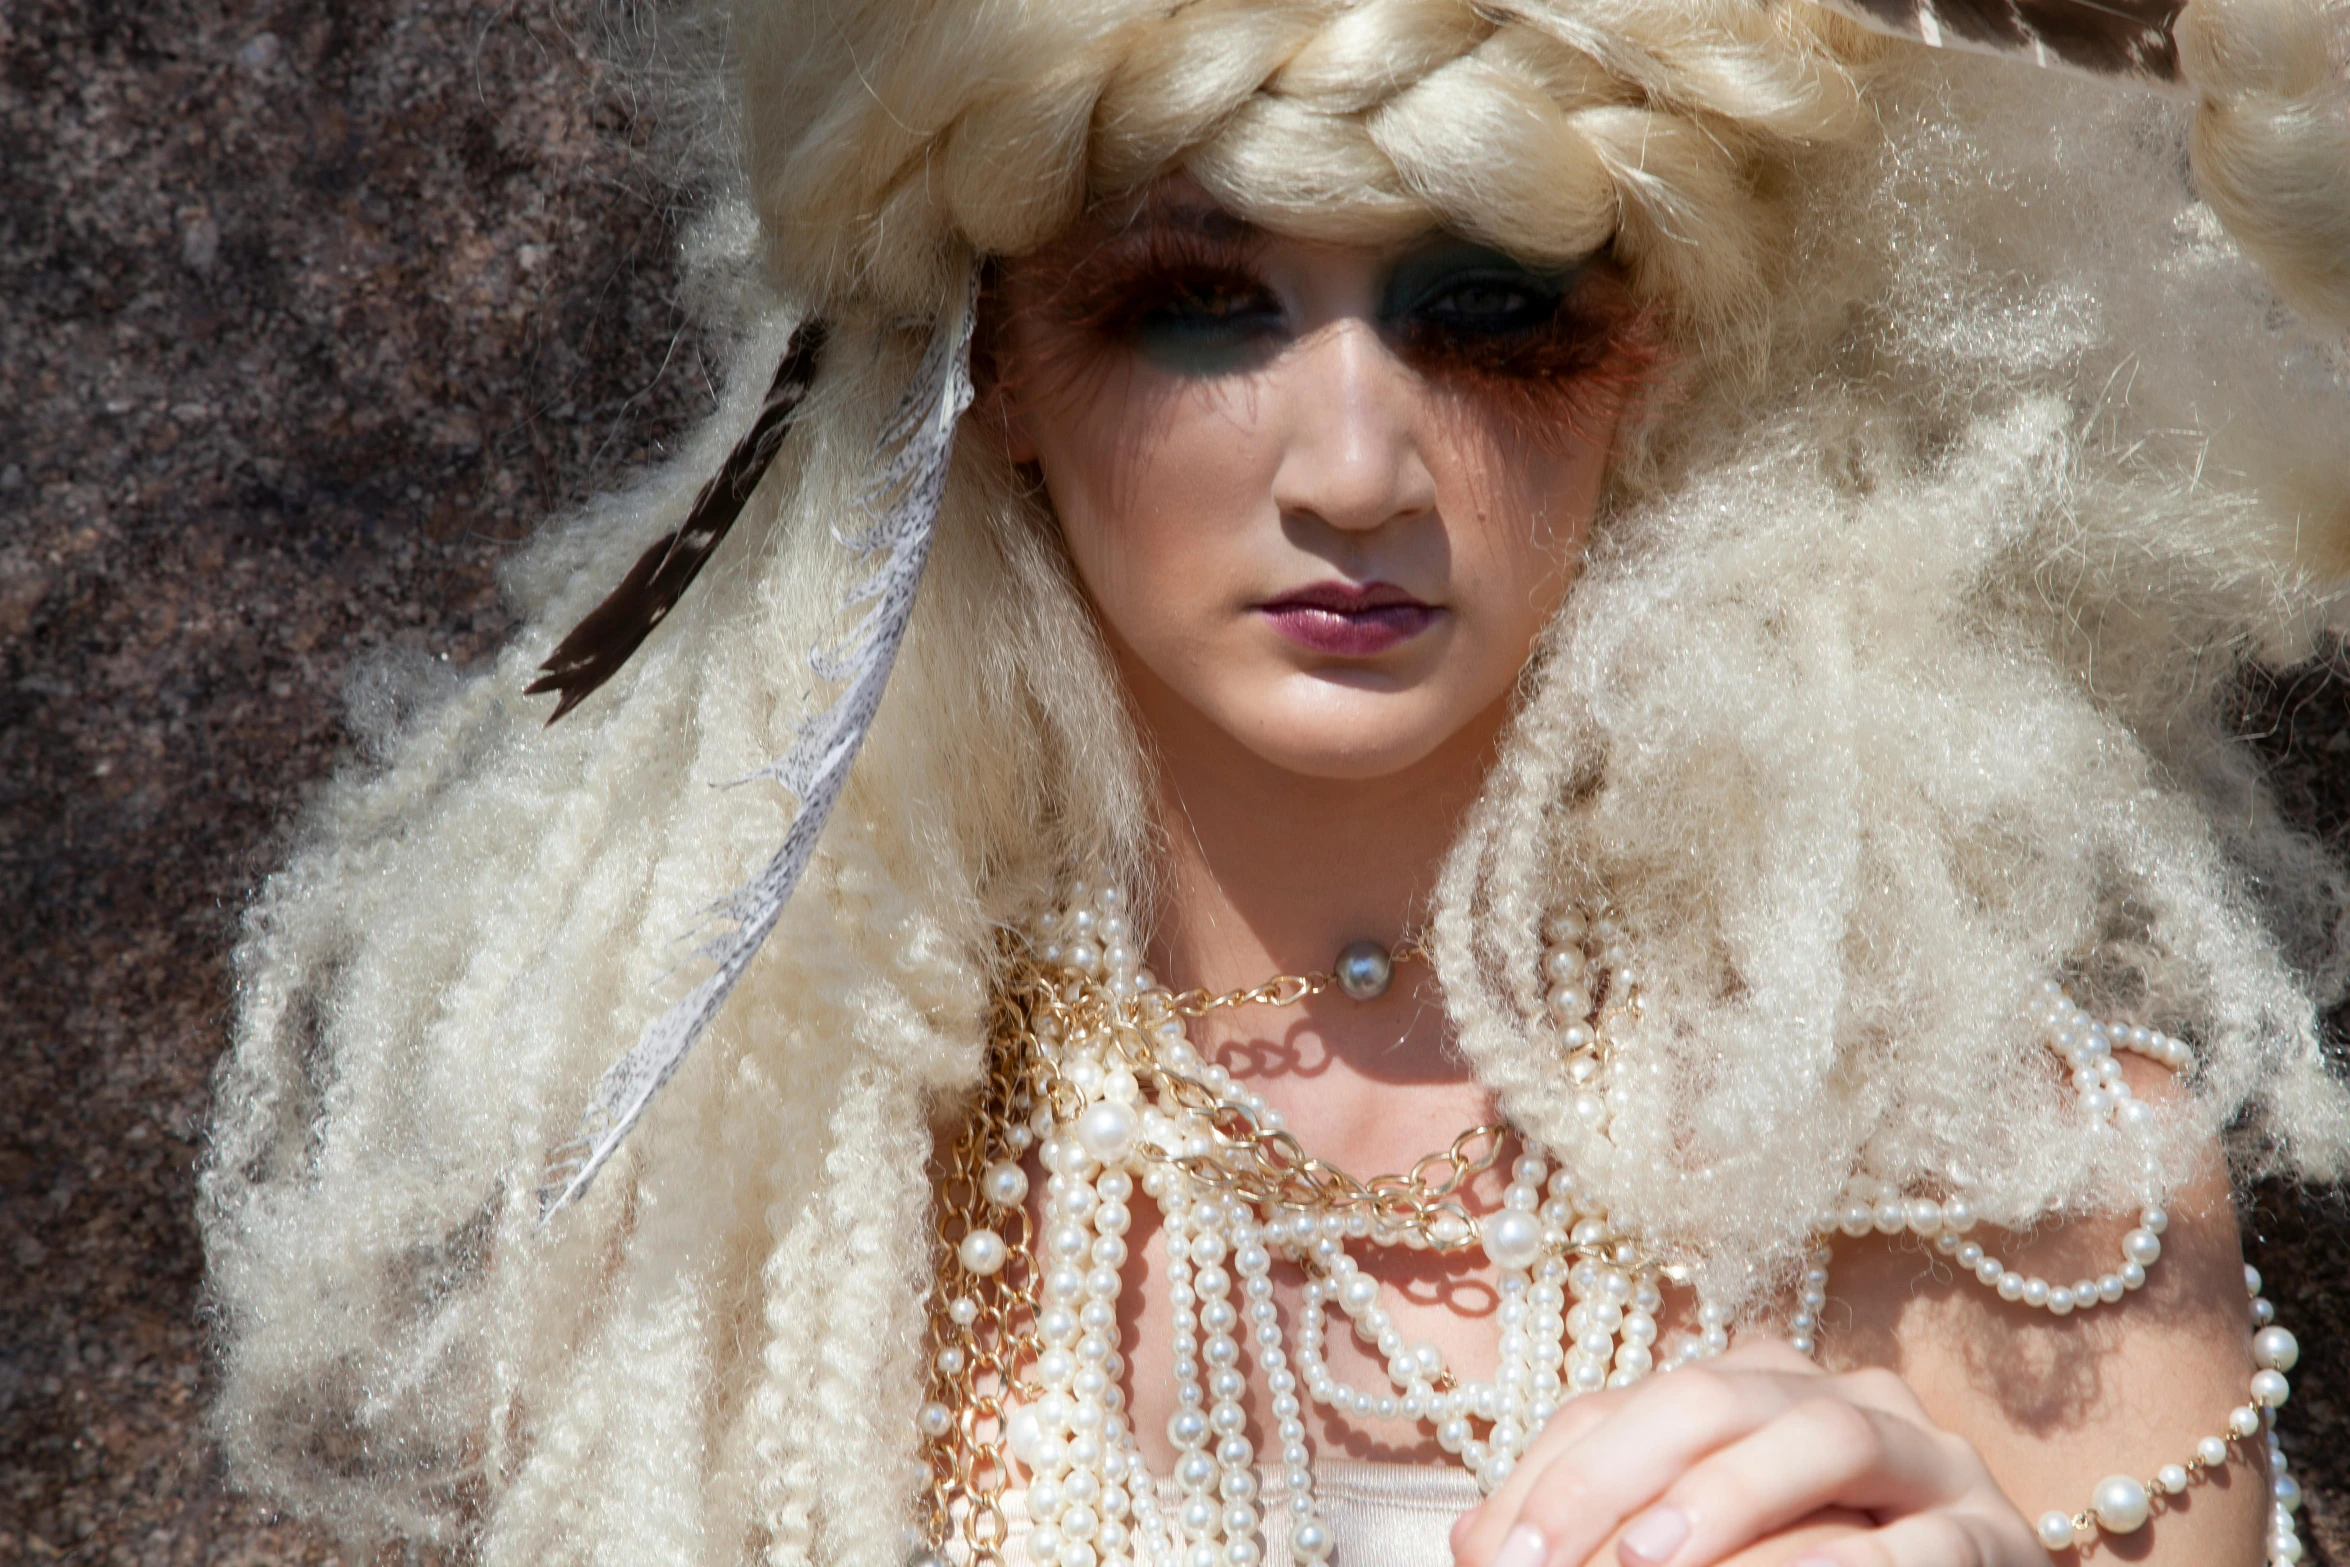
1323 497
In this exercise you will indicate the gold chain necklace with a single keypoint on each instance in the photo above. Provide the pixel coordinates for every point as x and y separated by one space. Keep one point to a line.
983 1331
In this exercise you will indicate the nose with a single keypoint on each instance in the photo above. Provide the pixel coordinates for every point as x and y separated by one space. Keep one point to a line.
1354 460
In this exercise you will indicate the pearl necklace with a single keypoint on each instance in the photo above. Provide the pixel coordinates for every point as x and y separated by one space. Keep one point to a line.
1091 1069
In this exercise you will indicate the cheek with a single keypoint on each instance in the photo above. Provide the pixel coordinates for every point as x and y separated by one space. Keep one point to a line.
1157 483
1517 519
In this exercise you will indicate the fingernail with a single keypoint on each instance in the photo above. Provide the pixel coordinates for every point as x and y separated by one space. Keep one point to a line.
1524 1547
1653 1536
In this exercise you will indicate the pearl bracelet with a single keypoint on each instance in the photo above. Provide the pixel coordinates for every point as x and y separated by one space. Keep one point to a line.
2122 1504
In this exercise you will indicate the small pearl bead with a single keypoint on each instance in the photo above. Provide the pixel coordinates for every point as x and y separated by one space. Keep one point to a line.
2121 1504
982 1252
2056 1530
1004 1184
2213 1451
2172 1478
1565 928
2270 1388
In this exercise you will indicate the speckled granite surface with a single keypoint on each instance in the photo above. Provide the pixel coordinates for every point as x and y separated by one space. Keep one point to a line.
307 310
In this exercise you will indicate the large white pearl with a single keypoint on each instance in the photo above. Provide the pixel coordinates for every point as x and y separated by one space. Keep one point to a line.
983 1252
1106 1131
2274 1349
2120 1504
1513 1238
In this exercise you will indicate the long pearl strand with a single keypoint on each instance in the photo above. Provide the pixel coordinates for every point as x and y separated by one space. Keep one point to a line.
1579 1304
2122 1504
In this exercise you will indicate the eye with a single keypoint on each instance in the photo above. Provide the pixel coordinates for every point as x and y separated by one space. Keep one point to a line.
1209 304
1488 305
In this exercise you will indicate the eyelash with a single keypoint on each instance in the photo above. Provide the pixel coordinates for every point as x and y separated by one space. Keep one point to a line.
1112 292
1552 379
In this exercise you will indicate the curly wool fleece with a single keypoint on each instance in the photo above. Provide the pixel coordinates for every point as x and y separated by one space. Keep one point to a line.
1897 681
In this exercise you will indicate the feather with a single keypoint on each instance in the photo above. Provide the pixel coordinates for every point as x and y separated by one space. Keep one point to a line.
903 498
2107 37
613 630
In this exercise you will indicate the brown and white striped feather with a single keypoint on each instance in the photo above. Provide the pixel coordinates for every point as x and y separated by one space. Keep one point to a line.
2104 37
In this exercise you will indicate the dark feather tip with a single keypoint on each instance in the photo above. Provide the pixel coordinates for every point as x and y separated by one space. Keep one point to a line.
610 634
2107 37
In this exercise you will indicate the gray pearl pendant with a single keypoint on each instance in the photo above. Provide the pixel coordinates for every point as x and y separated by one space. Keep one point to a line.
1364 970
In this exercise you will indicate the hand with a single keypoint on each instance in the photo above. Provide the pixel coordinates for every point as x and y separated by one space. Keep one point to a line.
1688 1469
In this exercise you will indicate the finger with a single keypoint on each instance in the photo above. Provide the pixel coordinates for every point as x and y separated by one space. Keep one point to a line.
1582 1490
1824 1452
1874 1387
1479 1532
1934 1539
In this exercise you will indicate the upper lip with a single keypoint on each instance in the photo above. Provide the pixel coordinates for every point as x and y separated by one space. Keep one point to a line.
1347 598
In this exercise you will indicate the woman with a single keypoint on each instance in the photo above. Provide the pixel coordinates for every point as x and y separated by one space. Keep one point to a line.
1636 598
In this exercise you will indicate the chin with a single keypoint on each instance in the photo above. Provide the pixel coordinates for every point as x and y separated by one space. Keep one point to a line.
1365 736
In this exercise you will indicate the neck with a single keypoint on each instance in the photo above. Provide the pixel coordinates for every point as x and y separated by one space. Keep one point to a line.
1270 871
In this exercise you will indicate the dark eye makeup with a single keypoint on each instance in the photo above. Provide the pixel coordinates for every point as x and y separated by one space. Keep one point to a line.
1190 297
1554 349
1453 287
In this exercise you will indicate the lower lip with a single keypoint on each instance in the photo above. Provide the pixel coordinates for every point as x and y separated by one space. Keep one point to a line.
1361 633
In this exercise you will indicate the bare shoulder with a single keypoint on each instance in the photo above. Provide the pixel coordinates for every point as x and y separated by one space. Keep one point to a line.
2056 1404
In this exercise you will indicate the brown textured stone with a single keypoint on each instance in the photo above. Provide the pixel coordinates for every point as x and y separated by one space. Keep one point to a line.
307 311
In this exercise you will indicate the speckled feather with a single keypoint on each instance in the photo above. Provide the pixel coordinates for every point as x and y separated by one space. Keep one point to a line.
903 496
2108 37
611 633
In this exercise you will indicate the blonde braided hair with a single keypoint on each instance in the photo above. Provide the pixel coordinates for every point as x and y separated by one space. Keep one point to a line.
876 164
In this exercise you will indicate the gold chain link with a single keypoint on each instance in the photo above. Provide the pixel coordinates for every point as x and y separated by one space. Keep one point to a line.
975 1364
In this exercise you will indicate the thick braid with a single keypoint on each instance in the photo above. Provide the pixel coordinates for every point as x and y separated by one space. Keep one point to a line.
874 1214
1364 56
2271 143
789 1486
1181 80
1553 198
1651 125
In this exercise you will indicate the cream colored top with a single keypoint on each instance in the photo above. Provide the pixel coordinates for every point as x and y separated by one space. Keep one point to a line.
1378 1515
